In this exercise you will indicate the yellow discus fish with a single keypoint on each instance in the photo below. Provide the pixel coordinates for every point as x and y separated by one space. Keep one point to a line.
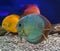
9 23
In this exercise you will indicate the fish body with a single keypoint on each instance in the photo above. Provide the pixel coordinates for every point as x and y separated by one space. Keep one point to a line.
31 27
31 9
9 23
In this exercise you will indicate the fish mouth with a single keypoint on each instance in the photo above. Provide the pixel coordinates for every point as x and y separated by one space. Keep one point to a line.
25 32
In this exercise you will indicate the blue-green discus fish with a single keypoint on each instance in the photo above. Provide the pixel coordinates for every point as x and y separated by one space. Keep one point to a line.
31 27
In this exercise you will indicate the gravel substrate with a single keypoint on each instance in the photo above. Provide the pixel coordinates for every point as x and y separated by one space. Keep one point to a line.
12 43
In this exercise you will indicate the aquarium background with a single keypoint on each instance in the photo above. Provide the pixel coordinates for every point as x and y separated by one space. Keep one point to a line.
49 8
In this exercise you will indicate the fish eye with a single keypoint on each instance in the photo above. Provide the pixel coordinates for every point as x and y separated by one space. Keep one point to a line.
19 25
